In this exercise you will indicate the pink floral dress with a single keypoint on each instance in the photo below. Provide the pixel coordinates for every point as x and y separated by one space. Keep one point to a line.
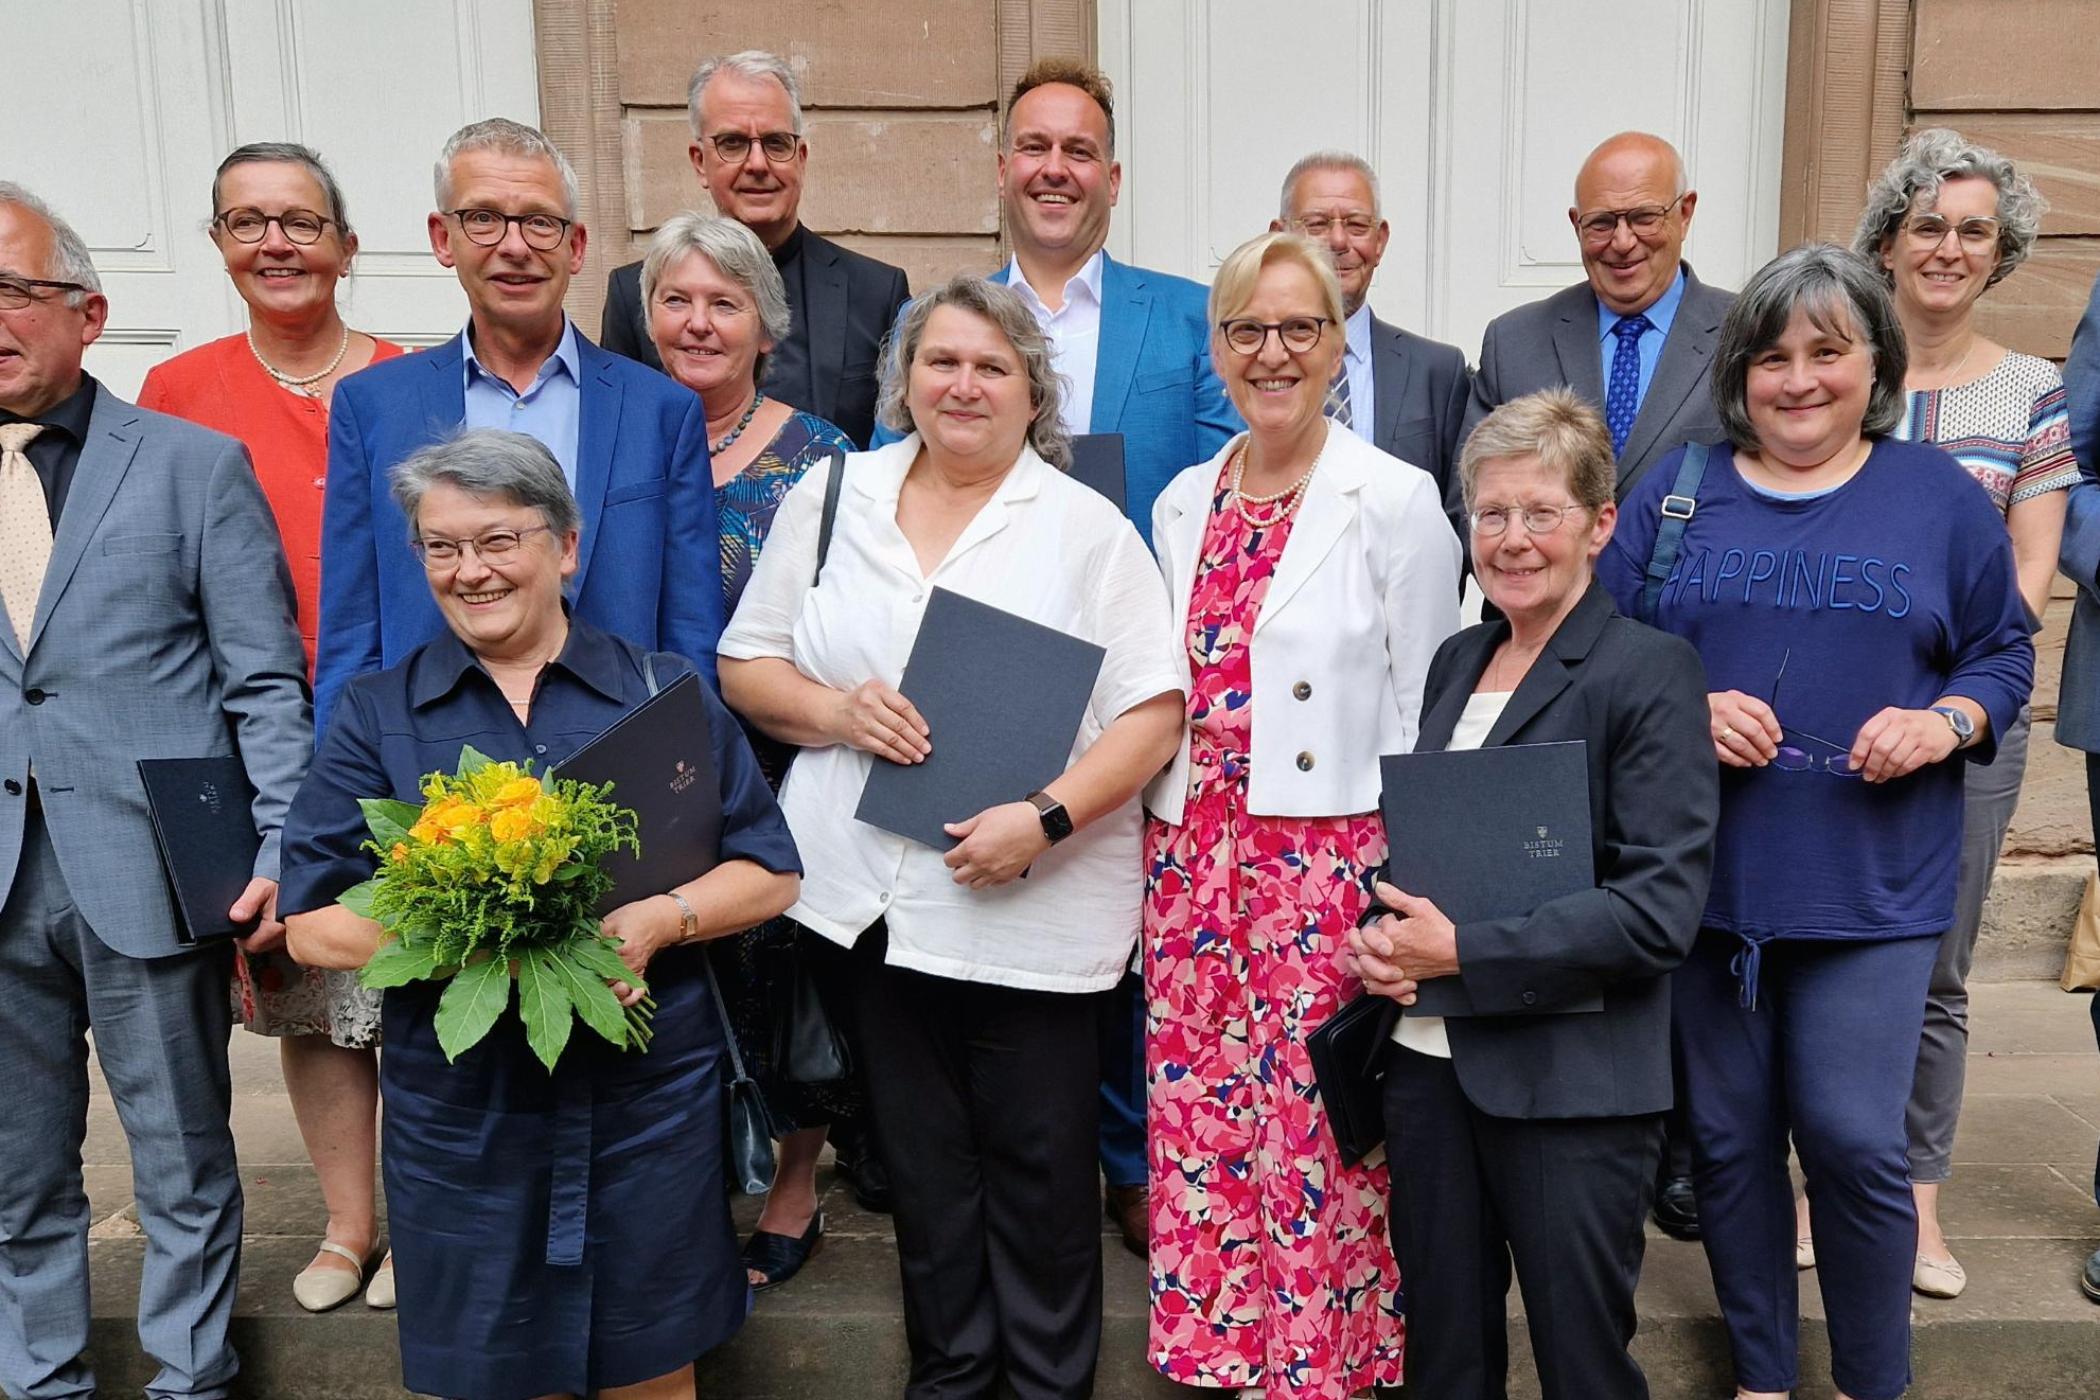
1271 1265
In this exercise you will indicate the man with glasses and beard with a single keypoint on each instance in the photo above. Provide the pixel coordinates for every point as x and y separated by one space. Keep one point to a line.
749 152
633 445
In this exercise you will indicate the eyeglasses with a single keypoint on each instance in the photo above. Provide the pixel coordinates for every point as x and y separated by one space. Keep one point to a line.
1791 757
735 146
1930 230
1491 521
18 292
301 226
1319 226
488 227
1645 220
491 548
1299 333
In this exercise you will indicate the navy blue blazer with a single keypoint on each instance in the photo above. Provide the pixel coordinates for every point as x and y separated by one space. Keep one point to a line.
650 564
1153 381
2078 701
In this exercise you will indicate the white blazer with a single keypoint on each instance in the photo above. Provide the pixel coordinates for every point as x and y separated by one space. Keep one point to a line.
1365 591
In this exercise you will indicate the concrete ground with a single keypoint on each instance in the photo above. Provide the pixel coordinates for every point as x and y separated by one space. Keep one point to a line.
2020 1212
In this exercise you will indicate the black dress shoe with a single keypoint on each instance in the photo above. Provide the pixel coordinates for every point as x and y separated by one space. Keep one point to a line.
2091 1281
1676 1211
1130 1208
864 1172
778 1258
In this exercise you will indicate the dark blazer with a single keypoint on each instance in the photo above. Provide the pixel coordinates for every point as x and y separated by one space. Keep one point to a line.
829 364
1554 342
1637 698
1421 390
650 565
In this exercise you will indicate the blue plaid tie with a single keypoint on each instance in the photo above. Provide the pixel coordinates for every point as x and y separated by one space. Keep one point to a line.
1622 397
1338 405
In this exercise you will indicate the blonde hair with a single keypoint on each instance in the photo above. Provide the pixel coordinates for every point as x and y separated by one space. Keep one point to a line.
1233 287
1558 427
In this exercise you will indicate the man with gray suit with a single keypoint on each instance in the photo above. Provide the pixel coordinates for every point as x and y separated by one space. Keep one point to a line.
1403 393
1637 337
148 614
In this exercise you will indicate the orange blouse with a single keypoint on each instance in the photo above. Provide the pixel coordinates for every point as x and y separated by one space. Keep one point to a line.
221 386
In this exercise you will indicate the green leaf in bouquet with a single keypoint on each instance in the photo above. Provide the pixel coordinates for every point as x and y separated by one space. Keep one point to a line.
588 994
602 956
397 964
358 898
543 1004
389 820
471 761
473 999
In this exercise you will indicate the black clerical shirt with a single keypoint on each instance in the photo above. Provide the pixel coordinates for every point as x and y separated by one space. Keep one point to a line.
55 452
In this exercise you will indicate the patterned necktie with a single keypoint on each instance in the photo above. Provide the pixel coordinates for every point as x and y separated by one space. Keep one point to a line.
1622 397
1338 393
25 530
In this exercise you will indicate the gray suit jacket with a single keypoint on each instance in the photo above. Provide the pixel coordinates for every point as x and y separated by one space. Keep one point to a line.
1555 342
2078 700
1420 392
165 629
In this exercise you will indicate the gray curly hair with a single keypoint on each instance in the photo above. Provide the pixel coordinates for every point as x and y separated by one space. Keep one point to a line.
1929 158
1003 307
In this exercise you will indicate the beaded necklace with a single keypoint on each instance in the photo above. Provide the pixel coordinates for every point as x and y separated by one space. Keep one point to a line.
300 384
716 448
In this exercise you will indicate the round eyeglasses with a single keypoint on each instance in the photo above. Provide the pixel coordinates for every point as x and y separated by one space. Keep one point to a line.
1298 334
542 232
1490 521
249 225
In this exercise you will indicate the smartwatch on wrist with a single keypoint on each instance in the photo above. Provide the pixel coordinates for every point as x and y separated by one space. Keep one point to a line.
1057 822
1957 720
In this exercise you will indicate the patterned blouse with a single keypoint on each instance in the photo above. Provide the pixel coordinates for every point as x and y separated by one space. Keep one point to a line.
745 506
2011 429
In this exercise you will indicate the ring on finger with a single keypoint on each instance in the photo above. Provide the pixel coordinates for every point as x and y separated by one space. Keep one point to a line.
1727 734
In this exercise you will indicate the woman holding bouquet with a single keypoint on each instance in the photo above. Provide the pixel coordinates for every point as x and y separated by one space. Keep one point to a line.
524 1203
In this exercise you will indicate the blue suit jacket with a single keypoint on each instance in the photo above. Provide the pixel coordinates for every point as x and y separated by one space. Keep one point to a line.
1153 382
2078 702
650 567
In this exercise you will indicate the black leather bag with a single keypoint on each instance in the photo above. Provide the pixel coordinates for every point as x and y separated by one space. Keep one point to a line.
1348 1060
807 1046
747 1137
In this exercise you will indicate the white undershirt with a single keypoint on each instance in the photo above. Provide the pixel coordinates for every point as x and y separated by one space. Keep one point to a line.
1074 331
1425 1034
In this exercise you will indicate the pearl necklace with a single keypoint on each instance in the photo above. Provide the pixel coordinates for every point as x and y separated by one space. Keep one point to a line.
715 448
298 384
1289 496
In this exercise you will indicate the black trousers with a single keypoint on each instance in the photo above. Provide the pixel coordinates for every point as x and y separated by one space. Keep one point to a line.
985 1104
1566 1198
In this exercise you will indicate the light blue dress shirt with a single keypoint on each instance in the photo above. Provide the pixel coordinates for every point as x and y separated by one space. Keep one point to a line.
1659 316
1363 389
550 410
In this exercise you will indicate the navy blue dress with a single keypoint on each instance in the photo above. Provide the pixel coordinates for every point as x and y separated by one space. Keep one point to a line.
562 1232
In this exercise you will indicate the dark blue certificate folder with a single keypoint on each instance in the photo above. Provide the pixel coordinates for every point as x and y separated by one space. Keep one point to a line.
1487 834
204 819
1002 698
1097 460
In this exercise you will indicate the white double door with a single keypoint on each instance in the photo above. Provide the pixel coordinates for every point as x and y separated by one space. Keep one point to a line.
1475 113
118 111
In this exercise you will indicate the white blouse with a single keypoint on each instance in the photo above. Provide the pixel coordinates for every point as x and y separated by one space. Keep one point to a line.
1044 547
1425 1035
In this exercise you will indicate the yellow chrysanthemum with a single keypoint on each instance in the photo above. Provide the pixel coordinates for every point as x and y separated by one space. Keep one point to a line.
460 817
518 792
510 824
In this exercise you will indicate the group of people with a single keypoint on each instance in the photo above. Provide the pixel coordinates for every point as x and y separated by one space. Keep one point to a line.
1732 543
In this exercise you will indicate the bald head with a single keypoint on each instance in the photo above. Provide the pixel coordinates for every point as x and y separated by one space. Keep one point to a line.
1633 207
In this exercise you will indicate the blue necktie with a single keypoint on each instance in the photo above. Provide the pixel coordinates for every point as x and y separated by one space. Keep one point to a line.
1338 405
1622 397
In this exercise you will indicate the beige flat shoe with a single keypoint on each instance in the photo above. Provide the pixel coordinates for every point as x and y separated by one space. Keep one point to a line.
1938 1278
380 1293
319 1287
1805 1252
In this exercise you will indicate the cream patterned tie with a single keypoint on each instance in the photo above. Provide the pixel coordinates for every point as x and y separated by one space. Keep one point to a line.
25 530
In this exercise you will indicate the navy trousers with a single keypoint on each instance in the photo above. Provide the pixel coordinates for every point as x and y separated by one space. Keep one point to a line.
1123 1083
1827 1056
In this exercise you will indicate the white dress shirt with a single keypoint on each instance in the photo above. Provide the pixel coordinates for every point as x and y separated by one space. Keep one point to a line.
1363 387
1074 330
1044 547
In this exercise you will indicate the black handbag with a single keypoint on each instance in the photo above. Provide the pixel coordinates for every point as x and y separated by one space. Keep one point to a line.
1348 1060
747 1136
807 1046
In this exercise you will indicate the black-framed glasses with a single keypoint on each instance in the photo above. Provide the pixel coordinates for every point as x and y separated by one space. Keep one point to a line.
735 146
488 227
1491 521
1298 333
250 225
18 292
1318 226
1931 230
1792 757
491 547
1646 220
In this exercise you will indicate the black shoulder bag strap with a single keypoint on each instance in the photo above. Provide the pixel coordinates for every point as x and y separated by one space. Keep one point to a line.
1677 510
834 480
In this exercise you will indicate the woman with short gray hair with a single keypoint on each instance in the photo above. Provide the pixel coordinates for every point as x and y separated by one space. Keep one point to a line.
1945 222
1853 599
716 310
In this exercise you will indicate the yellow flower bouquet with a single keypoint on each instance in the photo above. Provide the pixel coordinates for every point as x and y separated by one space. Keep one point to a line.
495 880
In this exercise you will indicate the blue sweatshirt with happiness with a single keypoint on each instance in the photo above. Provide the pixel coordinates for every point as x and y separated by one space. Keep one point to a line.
1897 588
